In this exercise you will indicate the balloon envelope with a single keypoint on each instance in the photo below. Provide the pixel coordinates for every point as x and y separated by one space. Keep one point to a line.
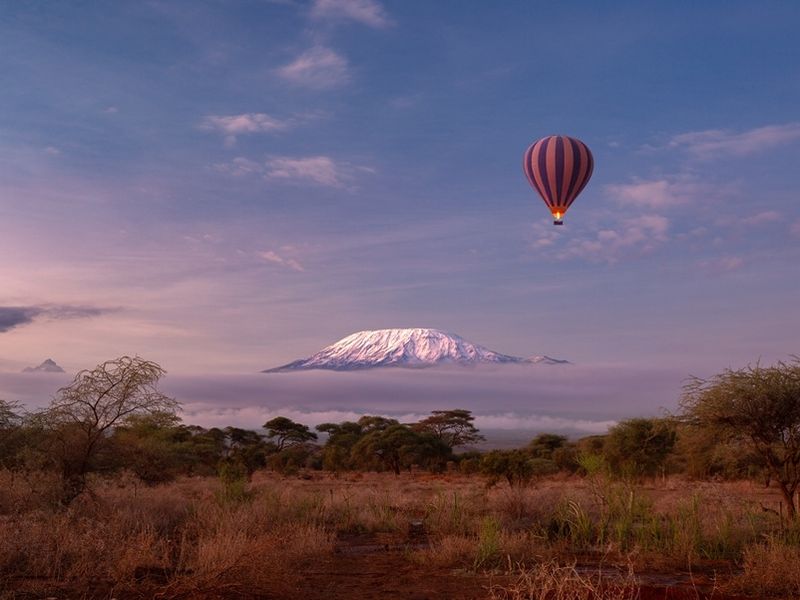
558 167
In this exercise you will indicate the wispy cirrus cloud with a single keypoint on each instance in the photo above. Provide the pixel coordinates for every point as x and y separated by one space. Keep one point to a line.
763 217
271 256
722 264
317 68
712 143
16 316
316 170
246 123
366 12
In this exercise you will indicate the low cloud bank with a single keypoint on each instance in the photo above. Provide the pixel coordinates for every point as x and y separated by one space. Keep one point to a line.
576 400
570 399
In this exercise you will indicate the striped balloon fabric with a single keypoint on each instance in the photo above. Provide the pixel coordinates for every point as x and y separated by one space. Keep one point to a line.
558 167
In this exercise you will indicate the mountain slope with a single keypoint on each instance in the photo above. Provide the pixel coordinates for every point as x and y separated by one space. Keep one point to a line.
402 348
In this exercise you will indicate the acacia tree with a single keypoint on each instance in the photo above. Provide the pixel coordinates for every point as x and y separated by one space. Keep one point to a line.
454 427
639 446
146 444
336 455
80 418
384 445
516 466
10 424
760 406
545 444
247 449
396 446
9 414
286 432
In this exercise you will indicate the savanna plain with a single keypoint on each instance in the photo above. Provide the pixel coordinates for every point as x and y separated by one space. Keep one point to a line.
107 494
417 535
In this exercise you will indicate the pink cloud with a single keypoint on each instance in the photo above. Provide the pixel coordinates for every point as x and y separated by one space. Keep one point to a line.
767 216
366 12
317 68
711 143
244 123
723 264
273 257
632 237
658 193
321 170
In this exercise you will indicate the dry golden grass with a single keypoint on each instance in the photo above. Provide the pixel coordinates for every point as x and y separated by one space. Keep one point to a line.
551 581
195 538
770 569
177 537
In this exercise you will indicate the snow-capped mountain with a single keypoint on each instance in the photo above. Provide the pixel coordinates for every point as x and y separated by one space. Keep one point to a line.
403 348
48 366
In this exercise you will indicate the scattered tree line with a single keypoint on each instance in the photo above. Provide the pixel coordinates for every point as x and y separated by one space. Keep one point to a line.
739 424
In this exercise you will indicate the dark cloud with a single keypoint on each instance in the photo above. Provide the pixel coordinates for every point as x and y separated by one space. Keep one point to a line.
15 316
75 312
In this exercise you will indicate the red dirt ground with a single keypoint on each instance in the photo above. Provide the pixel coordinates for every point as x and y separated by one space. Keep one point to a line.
368 568
387 575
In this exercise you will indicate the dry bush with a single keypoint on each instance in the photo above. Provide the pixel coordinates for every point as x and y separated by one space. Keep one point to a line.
521 546
177 538
28 490
449 551
455 512
232 561
490 549
185 539
523 507
769 569
376 502
69 547
257 546
163 509
550 581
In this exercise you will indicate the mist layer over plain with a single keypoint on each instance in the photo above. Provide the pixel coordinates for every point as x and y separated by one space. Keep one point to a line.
572 399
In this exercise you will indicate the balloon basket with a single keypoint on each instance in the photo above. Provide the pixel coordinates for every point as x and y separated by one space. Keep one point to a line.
558 222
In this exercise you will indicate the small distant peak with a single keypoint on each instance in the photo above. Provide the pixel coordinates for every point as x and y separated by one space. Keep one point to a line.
48 366
547 360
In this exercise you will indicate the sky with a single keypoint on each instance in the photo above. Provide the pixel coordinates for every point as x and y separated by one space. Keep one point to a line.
224 187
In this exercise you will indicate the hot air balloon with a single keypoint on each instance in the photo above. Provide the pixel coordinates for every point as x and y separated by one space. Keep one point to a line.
558 167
